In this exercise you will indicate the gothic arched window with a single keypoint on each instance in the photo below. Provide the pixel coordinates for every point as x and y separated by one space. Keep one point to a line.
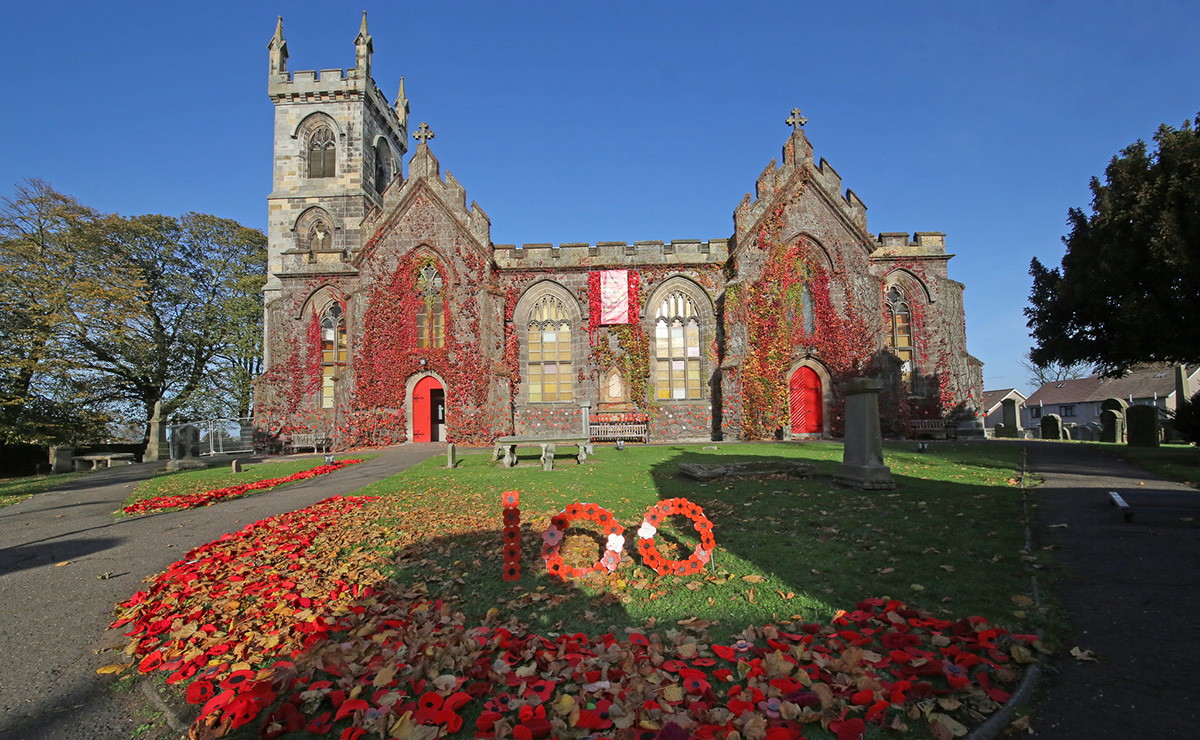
677 349
382 166
899 336
333 349
549 352
431 311
322 153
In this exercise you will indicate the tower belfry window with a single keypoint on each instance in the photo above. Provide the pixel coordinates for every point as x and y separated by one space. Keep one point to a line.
322 153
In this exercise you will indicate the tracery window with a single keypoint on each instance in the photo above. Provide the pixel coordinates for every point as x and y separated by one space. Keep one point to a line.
899 337
549 352
677 349
322 153
333 349
431 311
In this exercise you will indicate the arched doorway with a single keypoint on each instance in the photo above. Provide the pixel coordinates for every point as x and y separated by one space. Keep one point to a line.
428 410
806 402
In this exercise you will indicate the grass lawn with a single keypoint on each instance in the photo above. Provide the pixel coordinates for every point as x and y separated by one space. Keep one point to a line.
1173 462
220 475
402 596
947 539
13 490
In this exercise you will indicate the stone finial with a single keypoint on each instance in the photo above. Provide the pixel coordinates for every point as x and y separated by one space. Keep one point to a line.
363 49
278 50
796 120
424 133
401 105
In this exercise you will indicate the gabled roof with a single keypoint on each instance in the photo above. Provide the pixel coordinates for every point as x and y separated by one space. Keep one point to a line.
992 399
1142 383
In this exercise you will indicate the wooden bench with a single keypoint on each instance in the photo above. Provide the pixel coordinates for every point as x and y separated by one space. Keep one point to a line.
932 429
92 462
317 441
506 448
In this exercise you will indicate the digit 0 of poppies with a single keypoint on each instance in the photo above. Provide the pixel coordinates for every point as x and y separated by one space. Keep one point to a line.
553 536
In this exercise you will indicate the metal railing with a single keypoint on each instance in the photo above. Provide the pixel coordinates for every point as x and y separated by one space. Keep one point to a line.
211 437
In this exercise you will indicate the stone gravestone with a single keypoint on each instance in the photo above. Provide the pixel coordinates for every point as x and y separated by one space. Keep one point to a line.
1000 431
60 459
1012 421
862 455
157 445
1118 407
1052 426
185 442
450 458
1143 426
1112 426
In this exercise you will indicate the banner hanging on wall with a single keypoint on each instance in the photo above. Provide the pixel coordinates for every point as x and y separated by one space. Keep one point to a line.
614 297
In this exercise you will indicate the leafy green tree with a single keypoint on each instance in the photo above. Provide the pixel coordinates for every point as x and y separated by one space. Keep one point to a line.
180 291
116 315
43 266
1126 292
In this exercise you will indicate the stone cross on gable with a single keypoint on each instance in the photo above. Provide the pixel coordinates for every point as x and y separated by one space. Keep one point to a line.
424 133
796 120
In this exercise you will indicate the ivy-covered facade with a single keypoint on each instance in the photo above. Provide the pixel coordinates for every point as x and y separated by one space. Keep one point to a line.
392 317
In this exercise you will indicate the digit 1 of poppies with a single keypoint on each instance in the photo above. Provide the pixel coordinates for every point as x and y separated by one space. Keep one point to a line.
510 501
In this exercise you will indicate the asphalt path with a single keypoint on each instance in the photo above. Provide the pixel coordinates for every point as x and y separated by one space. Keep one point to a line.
1133 593
53 617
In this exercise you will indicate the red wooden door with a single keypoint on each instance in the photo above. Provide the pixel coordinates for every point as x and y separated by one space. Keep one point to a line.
805 392
422 411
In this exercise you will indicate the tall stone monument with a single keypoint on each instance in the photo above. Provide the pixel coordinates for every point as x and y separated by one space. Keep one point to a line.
1011 421
1142 426
862 456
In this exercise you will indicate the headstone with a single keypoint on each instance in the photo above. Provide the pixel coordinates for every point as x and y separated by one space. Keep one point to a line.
1070 431
1112 426
1012 421
1052 426
1000 431
450 459
60 459
236 466
862 454
1143 426
156 447
548 456
185 443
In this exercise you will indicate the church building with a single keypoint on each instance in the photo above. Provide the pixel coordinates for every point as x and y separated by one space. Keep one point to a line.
391 316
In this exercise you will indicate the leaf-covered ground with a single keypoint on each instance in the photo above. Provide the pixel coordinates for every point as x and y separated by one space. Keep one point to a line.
825 612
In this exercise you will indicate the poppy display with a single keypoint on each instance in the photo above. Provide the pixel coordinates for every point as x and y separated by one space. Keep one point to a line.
655 516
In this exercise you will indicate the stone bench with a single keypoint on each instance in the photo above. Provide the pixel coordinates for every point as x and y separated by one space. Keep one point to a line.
506 448
932 429
317 441
92 462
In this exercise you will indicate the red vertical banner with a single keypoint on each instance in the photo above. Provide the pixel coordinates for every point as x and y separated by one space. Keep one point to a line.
510 501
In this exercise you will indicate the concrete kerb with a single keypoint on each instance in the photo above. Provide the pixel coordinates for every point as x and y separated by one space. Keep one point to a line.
1003 717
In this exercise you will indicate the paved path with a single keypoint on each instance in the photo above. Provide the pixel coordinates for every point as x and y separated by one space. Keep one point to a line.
53 618
1133 592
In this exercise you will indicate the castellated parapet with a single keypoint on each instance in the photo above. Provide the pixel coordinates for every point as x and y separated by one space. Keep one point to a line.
683 252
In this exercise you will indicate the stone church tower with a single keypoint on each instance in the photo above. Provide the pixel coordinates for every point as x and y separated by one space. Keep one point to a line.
338 145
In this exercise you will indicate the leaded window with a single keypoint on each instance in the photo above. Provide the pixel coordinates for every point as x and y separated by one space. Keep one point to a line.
549 352
677 349
322 153
899 337
431 311
333 349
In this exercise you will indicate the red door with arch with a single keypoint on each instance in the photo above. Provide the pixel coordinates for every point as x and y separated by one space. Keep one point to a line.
805 395
428 410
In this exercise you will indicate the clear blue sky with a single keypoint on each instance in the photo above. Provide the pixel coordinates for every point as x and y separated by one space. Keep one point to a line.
594 121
